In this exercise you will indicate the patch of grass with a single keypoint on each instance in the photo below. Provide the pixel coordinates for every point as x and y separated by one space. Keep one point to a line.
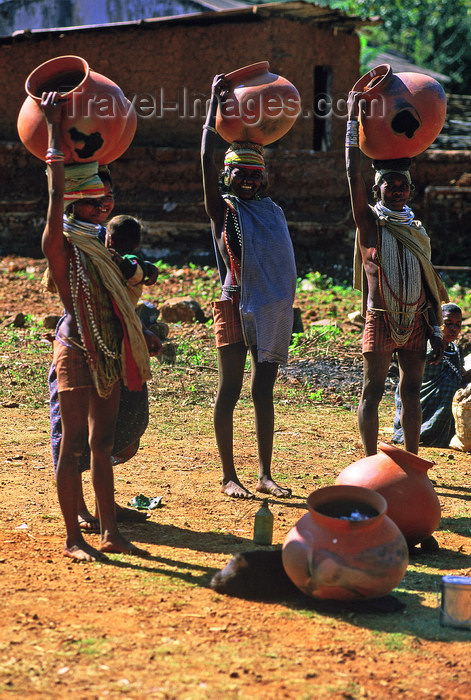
91 646
395 641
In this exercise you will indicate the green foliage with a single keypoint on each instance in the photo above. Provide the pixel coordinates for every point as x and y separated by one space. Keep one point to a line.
434 34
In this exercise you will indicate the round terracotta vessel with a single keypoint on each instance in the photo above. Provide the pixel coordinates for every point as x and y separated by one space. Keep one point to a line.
329 557
404 113
98 121
401 477
259 107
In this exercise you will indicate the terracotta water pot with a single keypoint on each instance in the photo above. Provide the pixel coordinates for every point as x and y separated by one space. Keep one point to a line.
260 106
98 121
401 477
404 113
329 556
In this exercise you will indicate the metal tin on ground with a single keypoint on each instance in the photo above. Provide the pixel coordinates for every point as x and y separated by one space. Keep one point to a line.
455 608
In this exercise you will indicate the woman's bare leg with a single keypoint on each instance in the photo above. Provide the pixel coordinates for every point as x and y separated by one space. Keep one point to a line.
411 366
74 414
375 371
231 364
263 380
103 414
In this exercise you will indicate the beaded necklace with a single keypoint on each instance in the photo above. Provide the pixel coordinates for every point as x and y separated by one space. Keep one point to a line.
450 364
80 288
399 271
231 217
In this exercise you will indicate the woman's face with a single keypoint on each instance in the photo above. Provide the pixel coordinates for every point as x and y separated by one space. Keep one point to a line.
89 210
394 191
108 202
451 326
246 182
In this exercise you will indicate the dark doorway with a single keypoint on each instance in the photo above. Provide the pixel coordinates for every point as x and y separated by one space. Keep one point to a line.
322 108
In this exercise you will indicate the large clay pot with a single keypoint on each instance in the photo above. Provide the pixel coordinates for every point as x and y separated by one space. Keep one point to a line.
327 556
260 106
401 477
404 113
98 122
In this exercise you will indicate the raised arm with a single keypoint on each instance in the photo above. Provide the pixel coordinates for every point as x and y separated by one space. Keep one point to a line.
53 239
361 211
213 200
54 244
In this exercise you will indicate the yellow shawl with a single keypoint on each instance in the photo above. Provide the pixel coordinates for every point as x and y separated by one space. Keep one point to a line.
115 284
414 238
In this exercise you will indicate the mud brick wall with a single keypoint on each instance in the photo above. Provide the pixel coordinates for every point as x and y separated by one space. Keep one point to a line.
449 217
163 187
171 64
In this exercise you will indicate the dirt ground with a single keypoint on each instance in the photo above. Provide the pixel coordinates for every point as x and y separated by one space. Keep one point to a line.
153 627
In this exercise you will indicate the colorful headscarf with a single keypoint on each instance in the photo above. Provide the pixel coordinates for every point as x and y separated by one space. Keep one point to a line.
82 182
379 174
245 155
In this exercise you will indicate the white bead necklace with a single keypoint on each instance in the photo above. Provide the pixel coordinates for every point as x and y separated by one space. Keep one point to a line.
80 286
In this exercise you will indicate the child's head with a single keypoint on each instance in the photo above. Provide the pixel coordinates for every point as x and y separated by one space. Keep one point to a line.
452 320
123 234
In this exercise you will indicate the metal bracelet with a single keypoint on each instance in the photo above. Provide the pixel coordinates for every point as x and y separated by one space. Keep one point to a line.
352 134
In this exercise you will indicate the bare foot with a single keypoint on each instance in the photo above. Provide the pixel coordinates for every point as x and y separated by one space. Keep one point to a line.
130 515
84 552
236 490
88 523
269 486
120 545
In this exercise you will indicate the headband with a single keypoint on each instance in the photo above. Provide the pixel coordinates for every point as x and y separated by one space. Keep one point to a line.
379 174
245 155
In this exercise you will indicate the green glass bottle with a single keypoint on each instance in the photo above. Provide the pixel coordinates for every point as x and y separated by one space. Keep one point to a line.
263 525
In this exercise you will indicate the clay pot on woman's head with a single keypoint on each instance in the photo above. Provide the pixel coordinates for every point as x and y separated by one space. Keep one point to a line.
260 106
98 122
403 112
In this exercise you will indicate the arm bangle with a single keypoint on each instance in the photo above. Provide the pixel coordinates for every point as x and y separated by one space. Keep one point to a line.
352 134
209 128
53 155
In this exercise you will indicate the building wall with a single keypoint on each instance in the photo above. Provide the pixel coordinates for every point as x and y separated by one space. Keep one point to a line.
159 177
170 64
163 187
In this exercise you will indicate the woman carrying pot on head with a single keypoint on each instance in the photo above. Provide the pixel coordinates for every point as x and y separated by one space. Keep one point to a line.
99 342
258 277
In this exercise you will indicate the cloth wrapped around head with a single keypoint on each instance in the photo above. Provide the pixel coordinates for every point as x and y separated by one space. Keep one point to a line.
400 166
245 155
82 182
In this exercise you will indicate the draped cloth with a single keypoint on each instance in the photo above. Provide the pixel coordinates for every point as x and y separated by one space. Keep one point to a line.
268 277
133 353
414 237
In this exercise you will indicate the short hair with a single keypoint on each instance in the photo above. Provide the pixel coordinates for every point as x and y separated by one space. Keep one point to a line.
105 175
451 308
125 233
